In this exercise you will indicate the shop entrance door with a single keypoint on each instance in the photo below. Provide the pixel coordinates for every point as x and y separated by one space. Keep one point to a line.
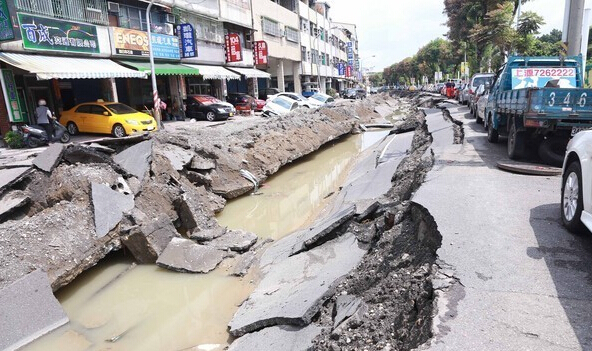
34 94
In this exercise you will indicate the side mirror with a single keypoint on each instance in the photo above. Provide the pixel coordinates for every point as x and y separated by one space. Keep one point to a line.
105 113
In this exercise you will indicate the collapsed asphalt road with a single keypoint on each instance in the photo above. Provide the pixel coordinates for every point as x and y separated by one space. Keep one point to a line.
159 195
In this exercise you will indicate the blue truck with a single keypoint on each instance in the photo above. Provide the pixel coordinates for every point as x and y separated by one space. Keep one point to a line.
539 103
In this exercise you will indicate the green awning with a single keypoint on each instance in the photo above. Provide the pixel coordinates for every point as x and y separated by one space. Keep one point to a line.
161 68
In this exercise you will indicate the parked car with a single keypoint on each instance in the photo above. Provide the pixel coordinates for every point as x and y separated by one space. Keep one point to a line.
245 102
279 105
374 90
320 99
301 100
482 95
576 188
476 80
103 117
355 93
266 92
463 94
208 107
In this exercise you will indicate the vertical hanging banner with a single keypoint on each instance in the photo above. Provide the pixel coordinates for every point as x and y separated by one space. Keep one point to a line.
187 40
11 96
260 52
348 71
233 47
6 32
341 68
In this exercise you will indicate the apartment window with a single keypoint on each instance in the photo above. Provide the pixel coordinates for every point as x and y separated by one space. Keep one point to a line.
324 59
288 4
315 56
303 53
132 17
322 34
304 24
90 11
271 27
292 34
205 29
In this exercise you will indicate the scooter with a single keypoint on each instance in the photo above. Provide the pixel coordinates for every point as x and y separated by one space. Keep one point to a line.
34 135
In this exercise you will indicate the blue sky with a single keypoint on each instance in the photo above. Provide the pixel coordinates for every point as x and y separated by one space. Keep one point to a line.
395 29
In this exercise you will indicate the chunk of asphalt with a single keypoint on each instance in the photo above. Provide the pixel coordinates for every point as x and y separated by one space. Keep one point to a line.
345 306
305 239
312 278
135 159
177 156
148 240
384 110
201 163
81 153
13 200
109 206
10 176
187 256
284 337
234 240
28 310
242 264
207 234
49 159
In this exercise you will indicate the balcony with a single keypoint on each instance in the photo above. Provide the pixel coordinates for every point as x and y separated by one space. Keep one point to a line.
89 11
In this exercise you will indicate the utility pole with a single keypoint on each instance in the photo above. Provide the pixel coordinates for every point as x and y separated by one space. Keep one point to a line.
575 18
155 97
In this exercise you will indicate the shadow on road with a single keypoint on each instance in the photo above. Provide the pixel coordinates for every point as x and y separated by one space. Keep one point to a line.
569 260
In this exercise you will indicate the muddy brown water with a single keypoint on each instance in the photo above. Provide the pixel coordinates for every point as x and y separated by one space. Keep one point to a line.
118 305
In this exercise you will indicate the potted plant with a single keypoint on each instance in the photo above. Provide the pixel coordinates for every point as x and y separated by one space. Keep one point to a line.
13 139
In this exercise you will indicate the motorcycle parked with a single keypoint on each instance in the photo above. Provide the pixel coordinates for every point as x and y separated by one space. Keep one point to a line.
34 135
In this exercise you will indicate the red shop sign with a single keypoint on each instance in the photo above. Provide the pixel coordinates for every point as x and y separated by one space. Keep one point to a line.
233 47
348 71
260 52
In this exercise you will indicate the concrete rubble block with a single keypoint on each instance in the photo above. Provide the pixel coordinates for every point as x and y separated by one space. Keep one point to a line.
28 310
148 240
178 156
242 264
201 163
80 153
49 159
135 159
199 179
194 203
109 206
13 200
234 240
208 234
12 175
284 337
312 278
345 307
187 256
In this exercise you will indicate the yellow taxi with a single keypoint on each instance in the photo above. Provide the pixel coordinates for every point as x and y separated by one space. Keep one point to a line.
103 117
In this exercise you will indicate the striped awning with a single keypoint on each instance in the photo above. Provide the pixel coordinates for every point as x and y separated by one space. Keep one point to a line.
250 72
58 67
161 68
214 72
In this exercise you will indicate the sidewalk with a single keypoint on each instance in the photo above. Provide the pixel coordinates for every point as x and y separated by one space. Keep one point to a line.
523 281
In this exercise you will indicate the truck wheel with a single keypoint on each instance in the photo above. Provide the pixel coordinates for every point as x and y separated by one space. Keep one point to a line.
516 142
492 134
552 151
571 197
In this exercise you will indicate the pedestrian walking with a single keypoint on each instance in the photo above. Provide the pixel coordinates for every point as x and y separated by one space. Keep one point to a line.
44 118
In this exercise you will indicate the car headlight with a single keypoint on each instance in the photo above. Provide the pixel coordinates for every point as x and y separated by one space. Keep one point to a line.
221 110
132 122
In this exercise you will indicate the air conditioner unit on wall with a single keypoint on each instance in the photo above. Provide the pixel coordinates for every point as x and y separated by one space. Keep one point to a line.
169 29
170 18
112 7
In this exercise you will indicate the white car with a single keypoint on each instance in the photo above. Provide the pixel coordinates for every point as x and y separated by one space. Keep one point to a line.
301 100
279 105
320 99
576 184
483 96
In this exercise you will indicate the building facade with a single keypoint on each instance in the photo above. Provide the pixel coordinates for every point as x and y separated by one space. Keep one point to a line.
73 51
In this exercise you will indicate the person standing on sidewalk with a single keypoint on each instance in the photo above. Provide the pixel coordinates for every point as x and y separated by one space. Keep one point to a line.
44 118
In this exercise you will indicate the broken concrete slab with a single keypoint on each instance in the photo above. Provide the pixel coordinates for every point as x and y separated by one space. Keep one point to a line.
345 306
194 211
102 148
49 159
313 275
201 163
147 241
10 176
242 264
234 240
109 206
28 310
187 256
13 200
383 110
276 338
136 159
178 156
81 153
208 234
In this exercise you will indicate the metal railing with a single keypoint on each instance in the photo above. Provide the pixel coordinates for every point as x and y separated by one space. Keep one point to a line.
90 11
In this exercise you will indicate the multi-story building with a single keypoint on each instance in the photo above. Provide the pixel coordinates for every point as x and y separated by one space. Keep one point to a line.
72 51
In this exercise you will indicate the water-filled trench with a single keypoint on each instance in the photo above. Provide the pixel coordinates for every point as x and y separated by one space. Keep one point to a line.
118 305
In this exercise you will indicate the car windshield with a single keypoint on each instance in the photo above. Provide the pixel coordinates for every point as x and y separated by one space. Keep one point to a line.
480 80
207 100
283 103
120 109
319 97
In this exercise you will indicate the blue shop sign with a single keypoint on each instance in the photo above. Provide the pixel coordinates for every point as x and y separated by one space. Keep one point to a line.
6 32
186 36
341 69
165 46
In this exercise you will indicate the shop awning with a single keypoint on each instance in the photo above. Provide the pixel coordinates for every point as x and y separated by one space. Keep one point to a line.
161 68
54 67
250 72
214 72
